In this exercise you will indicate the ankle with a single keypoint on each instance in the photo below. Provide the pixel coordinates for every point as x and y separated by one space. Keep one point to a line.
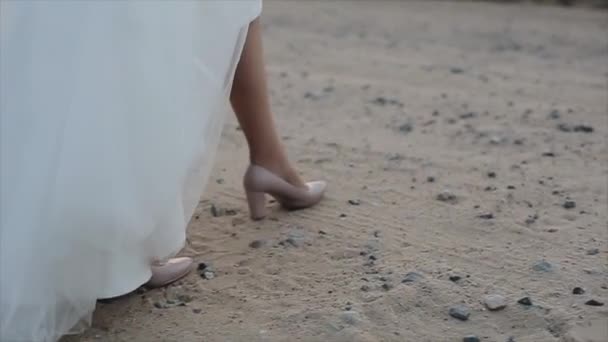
274 163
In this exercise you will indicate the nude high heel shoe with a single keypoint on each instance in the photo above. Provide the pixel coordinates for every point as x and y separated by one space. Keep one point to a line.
258 182
169 272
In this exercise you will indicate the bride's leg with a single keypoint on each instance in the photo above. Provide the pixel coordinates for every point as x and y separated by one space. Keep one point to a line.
249 98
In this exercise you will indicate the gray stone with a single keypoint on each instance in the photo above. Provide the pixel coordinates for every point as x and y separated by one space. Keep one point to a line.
168 304
455 278
218 212
471 338
387 286
495 302
186 298
487 216
594 302
296 239
205 270
578 291
460 312
446 196
350 317
569 205
525 301
542 266
554 114
411 277
257 244
406 128
496 140
593 251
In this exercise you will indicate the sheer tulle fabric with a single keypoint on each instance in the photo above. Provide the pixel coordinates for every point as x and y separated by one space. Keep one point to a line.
110 113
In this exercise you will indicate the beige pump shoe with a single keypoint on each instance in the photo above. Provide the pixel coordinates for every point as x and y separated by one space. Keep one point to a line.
169 272
258 182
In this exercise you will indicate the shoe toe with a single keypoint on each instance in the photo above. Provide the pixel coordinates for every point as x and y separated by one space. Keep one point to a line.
173 270
317 187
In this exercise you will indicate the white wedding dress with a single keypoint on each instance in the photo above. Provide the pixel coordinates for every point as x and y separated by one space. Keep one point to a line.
110 113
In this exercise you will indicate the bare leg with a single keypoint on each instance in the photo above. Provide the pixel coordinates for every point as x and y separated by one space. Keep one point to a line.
249 98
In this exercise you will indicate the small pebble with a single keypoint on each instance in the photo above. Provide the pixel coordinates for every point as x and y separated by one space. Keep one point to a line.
496 140
365 288
295 239
257 244
495 302
594 302
554 114
208 275
197 311
578 291
430 179
411 277
471 338
525 301
460 312
184 298
593 251
446 196
569 205
575 128
492 174
531 219
350 317
468 115
487 216
354 202
387 286
215 212
406 128
542 266
455 278
583 128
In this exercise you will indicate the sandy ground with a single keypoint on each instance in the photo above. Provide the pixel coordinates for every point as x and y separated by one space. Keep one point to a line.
489 107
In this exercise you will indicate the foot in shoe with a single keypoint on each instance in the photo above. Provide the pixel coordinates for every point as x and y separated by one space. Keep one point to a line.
169 272
259 181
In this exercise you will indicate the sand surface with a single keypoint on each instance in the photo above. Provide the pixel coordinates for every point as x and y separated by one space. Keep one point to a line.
395 103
